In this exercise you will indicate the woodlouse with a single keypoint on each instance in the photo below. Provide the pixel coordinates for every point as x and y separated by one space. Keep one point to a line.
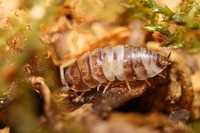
105 65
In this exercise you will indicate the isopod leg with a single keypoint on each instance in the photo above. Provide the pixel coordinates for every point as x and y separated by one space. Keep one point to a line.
128 85
79 98
147 82
98 87
107 86
161 75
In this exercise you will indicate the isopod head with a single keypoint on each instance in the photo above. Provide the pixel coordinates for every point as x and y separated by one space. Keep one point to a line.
148 64
157 64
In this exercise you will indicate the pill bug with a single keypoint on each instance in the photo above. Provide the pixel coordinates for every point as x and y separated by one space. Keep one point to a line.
118 63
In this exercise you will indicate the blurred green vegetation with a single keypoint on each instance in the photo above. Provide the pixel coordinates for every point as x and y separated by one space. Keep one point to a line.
22 113
160 18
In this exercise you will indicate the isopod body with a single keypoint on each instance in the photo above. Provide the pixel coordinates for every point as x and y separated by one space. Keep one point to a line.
119 63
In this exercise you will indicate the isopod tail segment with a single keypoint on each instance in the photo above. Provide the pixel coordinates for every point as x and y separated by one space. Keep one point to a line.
62 73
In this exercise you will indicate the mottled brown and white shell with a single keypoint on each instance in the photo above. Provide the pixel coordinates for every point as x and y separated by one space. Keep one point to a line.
118 63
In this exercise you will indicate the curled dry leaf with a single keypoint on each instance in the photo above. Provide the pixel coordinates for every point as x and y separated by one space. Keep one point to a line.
40 86
67 46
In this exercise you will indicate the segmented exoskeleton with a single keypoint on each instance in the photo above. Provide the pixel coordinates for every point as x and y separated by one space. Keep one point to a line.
105 65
